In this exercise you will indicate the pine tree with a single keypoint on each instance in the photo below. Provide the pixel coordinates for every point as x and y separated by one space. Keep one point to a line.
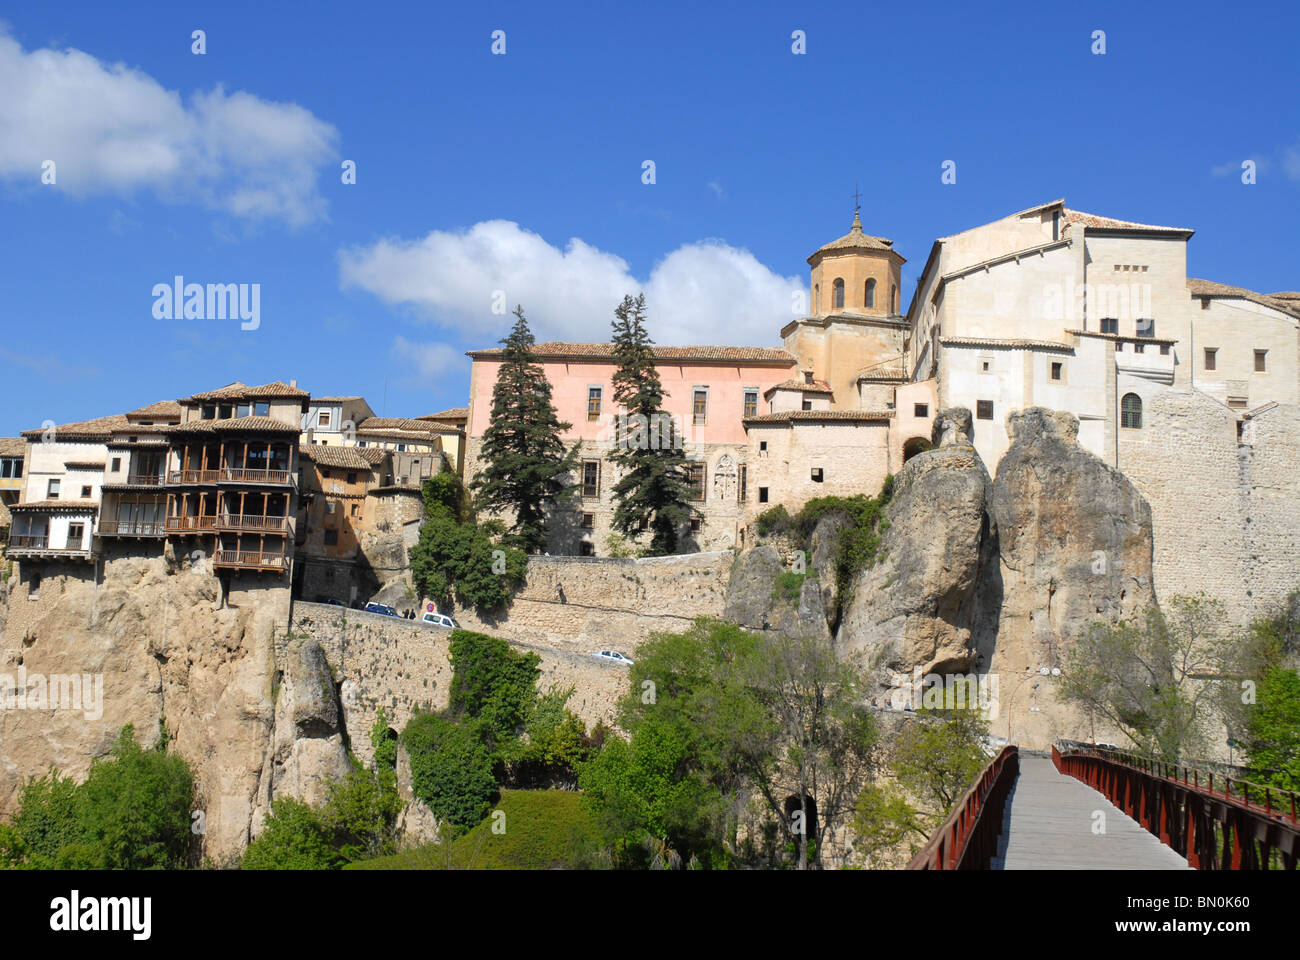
525 461
655 486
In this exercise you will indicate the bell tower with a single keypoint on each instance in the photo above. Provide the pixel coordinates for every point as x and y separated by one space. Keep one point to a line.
856 275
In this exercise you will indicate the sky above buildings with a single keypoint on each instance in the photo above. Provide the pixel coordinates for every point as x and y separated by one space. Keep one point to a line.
488 179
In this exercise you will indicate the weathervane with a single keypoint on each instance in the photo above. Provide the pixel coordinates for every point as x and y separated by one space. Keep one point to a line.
857 198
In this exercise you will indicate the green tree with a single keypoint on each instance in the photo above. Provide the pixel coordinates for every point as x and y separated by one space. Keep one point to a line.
937 757
1143 674
45 823
134 808
883 821
492 683
294 837
524 459
451 768
655 485
1273 732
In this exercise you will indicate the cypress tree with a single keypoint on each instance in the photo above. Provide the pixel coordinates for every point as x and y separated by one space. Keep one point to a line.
525 461
655 486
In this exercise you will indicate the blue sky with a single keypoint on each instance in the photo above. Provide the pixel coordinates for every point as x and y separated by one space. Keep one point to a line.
522 172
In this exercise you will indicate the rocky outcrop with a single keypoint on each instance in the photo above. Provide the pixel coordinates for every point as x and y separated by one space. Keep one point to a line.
917 605
171 651
1075 547
755 599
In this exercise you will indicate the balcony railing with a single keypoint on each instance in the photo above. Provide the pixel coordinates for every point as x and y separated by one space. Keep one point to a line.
249 521
132 528
250 559
192 476
42 544
147 479
184 524
249 475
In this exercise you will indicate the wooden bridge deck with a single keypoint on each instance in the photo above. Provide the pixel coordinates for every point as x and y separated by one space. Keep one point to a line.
1048 825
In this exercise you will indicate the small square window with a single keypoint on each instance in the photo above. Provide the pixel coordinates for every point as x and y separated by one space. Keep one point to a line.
117 464
1211 358
1237 403
751 403
34 587
356 510
1057 367
695 524
1110 325
762 494
816 474
331 538
261 409
85 492
984 409
921 410
323 419
807 405
1139 347
1260 360
984 365
644 524
1164 349
352 477
52 490
588 520
1119 346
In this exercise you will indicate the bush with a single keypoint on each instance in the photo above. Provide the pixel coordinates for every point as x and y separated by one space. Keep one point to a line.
788 586
451 769
773 520
294 837
492 683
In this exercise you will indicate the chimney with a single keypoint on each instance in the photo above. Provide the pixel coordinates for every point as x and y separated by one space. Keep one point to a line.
293 383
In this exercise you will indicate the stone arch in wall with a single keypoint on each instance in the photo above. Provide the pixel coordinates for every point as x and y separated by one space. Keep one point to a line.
914 446
810 806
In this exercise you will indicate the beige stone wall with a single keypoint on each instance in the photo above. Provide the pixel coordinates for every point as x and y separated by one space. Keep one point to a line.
837 350
854 458
1235 329
855 269
1270 502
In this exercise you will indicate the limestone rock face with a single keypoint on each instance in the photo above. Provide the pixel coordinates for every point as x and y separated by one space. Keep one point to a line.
951 427
824 552
158 637
1074 540
917 606
751 601
416 824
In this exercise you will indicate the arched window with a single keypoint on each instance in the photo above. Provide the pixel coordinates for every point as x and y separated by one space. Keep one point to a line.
838 289
893 299
870 299
1130 411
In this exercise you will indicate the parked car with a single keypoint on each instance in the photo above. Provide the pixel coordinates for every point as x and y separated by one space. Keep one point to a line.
613 655
382 609
331 602
439 620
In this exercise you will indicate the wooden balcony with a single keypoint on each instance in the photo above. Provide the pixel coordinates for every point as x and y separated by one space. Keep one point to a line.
254 522
279 478
250 560
27 542
191 477
191 524
133 528
38 545
147 480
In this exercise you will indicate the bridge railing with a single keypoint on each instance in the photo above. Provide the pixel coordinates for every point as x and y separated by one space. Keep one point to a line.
1222 823
968 838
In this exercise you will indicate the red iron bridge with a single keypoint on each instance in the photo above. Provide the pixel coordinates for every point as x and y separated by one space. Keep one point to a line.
1089 807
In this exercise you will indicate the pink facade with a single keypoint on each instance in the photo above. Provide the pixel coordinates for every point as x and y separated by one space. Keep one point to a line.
725 381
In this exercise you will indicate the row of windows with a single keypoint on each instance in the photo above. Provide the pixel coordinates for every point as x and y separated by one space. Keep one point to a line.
868 294
1212 359
11 467
697 476
699 404
1130 410
52 490
225 411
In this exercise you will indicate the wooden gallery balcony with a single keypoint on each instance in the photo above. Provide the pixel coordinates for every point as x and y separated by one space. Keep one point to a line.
132 528
250 560
253 523
193 524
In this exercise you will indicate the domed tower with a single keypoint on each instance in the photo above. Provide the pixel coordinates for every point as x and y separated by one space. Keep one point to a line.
858 274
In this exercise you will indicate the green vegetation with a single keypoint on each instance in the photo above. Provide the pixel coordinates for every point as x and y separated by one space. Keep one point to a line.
715 714
540 830
654 488
492 684
133 812
451 767
788 586
1142 675
858 543
524 460
456 558
1273 731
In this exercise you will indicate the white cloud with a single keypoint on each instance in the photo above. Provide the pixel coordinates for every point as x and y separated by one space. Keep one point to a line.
429 359
716 187
706 292
113 129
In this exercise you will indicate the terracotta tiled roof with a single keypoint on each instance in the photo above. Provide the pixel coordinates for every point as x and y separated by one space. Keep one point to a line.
238 391
409 429
237 424
1285 295
855 239
455 413
1208 288
80 506
788 416
1123 339
143 429
164 409
817 386
12 446
883 374
557 350
1005 344
334 399
347 458
371 455
84 464
100 428
1110 223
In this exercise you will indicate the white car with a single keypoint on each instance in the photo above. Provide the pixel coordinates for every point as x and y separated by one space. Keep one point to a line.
440 620
613 655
